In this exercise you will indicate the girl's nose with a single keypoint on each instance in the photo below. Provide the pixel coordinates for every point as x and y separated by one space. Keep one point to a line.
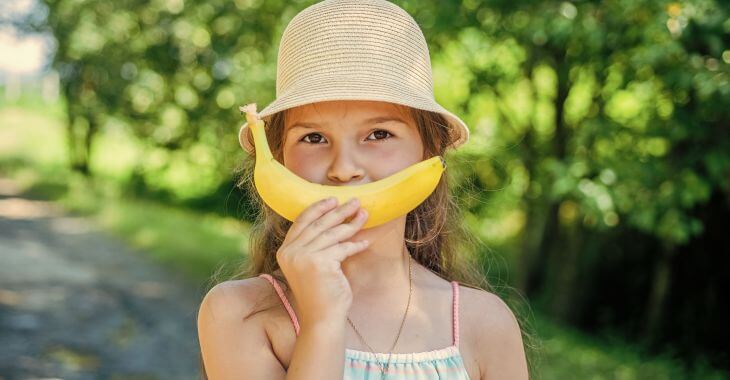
345 169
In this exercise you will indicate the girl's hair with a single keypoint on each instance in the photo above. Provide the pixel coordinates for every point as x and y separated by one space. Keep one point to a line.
434 233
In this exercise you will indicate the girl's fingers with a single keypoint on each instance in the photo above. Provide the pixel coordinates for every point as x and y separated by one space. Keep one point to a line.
310 214
326 221
337 233
340 251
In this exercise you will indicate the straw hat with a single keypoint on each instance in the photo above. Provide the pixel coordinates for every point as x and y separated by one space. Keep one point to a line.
356 50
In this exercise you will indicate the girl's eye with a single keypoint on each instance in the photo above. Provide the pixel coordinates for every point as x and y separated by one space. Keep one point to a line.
320 137
311 134
381 130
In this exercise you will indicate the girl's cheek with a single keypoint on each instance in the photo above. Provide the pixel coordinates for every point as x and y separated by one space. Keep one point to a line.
386 157
305 166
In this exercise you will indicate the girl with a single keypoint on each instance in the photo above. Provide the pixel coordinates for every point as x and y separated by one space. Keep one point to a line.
322 298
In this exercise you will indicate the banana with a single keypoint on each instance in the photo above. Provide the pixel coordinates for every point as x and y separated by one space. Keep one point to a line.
386 199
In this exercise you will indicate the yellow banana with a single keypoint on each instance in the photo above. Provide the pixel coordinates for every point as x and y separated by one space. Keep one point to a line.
386 199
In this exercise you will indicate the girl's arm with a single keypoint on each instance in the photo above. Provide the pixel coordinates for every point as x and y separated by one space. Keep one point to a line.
319 352
236 347
501 350
232 345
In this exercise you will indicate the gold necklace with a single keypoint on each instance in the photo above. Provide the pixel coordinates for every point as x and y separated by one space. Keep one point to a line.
410 291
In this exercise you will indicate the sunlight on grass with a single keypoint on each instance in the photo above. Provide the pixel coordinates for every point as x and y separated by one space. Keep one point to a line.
195 243
32 137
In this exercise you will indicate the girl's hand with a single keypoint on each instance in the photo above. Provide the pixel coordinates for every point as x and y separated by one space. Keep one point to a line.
310 259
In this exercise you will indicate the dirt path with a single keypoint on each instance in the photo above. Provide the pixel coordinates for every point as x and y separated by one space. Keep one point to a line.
76 303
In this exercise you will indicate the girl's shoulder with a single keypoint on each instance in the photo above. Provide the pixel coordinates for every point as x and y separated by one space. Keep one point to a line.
473 302
237 298
484 308
490 328
232 338
479 309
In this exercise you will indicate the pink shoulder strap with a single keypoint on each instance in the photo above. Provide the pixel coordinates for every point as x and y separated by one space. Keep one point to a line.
281 294
455 312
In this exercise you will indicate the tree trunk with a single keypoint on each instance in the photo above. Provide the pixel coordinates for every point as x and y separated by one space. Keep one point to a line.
531 234
566 268
530 243
536 270
79 145
658 293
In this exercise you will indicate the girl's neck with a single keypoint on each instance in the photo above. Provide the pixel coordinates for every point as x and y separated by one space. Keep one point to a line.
383 265
375 270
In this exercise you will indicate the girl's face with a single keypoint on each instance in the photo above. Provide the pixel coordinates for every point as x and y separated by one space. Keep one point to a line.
349 142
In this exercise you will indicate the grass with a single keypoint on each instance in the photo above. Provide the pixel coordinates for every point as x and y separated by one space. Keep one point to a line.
566 353
198 243
193 242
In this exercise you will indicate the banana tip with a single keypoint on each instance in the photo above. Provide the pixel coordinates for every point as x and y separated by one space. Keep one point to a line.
248 108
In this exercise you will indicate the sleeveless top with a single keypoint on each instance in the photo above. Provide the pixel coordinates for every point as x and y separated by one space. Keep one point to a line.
444 363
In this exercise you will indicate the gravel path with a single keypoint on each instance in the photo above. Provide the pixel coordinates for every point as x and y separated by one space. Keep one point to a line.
76 303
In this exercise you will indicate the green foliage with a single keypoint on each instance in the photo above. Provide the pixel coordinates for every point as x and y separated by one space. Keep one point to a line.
609 87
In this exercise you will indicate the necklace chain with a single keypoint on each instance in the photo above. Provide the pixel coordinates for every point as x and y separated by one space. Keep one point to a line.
390 352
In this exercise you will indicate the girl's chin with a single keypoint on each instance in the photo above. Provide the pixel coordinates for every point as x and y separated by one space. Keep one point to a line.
372 233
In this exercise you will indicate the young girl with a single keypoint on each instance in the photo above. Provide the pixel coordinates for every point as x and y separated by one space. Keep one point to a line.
322 298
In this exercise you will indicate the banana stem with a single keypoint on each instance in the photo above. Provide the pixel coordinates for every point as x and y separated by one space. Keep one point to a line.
256 125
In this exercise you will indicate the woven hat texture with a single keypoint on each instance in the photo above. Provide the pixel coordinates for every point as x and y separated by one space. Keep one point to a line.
355 50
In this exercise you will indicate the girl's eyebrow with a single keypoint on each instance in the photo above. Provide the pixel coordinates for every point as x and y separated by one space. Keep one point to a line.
372 120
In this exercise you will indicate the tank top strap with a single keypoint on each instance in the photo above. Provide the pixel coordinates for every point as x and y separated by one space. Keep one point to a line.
284 300
455 312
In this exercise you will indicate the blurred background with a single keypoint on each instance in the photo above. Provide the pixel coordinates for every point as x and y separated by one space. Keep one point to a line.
597 175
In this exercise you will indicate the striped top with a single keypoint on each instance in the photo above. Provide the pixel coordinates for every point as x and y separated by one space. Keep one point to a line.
444 363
